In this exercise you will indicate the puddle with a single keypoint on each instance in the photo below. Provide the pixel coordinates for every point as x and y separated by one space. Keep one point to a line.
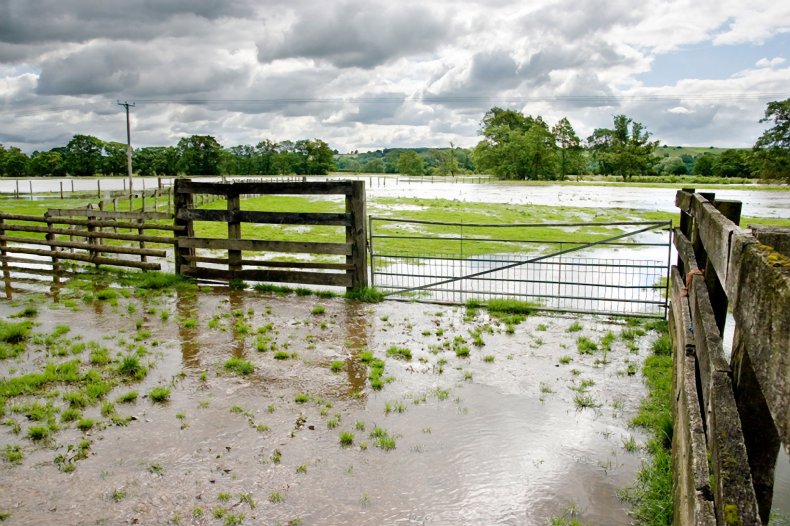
492 438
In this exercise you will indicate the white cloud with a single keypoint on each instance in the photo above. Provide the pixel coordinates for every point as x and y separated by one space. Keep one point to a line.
372 73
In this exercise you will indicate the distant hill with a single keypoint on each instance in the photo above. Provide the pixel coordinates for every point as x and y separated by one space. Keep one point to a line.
694 151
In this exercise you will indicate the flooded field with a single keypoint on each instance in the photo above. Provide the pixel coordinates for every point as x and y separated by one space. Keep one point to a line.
308 410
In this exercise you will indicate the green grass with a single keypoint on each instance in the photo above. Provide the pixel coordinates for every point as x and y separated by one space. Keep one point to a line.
367 295
402 353
585 345
11 332
337 366
13 454
651 496
239 366
346 438
159 394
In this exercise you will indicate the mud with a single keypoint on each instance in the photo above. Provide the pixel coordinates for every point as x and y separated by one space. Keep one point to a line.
478 441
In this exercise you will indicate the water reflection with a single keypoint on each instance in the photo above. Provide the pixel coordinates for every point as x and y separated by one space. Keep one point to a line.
355 321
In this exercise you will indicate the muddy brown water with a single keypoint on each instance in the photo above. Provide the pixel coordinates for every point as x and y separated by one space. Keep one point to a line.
477 442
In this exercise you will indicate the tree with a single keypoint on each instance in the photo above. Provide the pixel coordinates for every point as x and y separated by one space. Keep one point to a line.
44 164
374 166
83 155
515 146
571 158
114 160
731 163
624 150
318 157
14 162
199 155
409 163
703 165
772 149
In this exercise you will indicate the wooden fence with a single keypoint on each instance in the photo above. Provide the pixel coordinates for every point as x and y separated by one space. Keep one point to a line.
730 416
40 245
238 261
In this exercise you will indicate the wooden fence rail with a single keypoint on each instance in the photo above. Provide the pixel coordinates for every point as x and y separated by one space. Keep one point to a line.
353 273
730 416
23 250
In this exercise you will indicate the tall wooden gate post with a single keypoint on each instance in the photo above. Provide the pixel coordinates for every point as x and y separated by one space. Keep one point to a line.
182 202
356 234
234 233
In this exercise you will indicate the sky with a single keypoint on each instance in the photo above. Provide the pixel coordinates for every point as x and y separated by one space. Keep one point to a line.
371 74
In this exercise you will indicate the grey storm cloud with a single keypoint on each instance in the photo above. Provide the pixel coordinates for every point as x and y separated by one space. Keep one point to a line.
359 34
38 21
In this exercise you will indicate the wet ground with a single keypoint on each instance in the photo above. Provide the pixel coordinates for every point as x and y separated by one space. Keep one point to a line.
509 434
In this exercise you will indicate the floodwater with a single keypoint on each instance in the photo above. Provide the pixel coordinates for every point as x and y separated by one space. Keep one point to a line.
493 438
756 203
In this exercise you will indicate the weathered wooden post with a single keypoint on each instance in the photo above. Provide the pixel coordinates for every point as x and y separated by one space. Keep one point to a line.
4 257
759 289
356 234
183 202
234 231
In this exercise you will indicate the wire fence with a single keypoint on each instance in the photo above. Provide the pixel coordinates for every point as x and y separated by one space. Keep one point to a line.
624 274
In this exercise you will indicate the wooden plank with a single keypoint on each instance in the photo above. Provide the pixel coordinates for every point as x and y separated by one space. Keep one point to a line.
272 218
761 308
274 264
85 233
87 258
684 200
86 246
715 232
685 250
734 492
266 246
277 276
281 188
29 261
106 214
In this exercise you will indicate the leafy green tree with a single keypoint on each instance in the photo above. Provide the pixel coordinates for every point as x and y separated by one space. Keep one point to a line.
239 160
772 149
672 166
265 151
156 160
409 163
732 163
516 146
44 164
703 165
624 150
199 155
374 166
114 159
83 155
317 157
14 162
570 151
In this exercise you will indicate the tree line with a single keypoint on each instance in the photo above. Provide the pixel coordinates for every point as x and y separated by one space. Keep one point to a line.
85 155
513 146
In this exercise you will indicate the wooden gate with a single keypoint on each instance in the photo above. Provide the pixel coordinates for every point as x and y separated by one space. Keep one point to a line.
248 259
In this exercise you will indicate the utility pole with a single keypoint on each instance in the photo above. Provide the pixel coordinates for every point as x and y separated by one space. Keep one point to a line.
126 105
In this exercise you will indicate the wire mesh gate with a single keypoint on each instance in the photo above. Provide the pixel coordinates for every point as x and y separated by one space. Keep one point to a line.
615 268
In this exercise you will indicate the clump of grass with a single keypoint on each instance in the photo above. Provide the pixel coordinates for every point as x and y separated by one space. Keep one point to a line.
159 394
276 497
575 327
399 352
38 432
509 306
281 355
159 280
383 439
662 346
585 401
302 398
586 345
14 332
189 323
13 454
366 294
276 289
489 358
337 366
28 312
237 284
131 367
239 366
318 310
346 438
565 360
127 398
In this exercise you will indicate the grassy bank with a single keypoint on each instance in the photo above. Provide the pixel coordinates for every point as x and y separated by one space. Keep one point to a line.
651 496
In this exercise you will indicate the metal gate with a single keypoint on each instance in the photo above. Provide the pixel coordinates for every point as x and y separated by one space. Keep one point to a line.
614 268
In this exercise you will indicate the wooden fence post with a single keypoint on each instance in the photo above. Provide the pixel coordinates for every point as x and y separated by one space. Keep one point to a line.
234 233
4 256
356 234
183 202
50 236
686 222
